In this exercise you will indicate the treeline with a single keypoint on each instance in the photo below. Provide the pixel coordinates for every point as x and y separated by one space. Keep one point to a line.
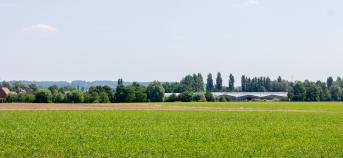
134 92
191 88
332 90
195 83
79 84
263 84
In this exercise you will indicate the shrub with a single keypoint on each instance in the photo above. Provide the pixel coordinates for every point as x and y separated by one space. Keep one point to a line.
224 98
209 97
75 96
155 92
26 98
186 96
59 97
140 93
199 97
172 98
91 97
284 99
43 96
103 98
12 98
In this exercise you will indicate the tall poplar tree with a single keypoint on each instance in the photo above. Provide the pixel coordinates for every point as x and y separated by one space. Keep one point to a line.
231 83
219 82
209 84
329 82
200 83
243 84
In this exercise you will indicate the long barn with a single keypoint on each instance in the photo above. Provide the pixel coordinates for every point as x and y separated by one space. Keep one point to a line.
248 95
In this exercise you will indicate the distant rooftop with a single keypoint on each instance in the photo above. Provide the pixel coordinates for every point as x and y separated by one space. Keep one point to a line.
4 92
246 94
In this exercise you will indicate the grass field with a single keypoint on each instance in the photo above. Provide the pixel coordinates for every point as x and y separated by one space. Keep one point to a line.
327 106
175 133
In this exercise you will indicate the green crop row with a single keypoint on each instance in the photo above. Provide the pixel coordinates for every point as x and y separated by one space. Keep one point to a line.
170 134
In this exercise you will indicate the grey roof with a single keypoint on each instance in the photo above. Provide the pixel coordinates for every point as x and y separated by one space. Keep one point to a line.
256 94
242 94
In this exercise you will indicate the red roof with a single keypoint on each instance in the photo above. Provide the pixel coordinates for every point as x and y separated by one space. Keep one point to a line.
4 92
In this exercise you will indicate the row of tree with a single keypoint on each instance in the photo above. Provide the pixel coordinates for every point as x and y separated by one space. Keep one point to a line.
189 96
316 91
331 90
195 83
134 92
263 84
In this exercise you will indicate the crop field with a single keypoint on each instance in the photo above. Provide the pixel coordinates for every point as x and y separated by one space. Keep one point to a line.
327 106
173 130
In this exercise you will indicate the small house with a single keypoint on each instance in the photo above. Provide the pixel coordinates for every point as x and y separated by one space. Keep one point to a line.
4 93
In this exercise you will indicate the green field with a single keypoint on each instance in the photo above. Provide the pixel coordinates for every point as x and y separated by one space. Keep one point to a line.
327 106
175 133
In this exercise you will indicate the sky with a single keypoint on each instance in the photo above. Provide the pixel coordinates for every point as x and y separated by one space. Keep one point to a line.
165 40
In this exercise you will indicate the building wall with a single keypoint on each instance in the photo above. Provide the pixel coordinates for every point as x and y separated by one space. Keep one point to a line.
242 95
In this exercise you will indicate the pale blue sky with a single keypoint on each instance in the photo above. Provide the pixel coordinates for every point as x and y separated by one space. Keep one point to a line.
165 40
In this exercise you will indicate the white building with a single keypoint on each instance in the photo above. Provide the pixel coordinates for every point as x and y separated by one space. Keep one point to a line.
248 95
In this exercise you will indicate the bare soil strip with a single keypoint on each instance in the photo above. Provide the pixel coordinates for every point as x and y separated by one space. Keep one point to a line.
18 106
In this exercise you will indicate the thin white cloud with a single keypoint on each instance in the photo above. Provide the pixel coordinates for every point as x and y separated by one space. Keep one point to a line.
246 3
44 28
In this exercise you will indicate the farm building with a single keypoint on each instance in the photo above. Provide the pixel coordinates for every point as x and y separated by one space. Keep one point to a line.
253 95
248 95
3 93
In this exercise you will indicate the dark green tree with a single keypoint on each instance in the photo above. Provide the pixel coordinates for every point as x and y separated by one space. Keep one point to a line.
26 97
130 94
58 97
312 92
209 84
172 98
243 83
339 82
155 92
7 85
12 98
92 97
324 92
329 82
209 97
102 89
219 83
291 91
103 98
195 86
187 83
120 82
299 92
140 93
231 83
32 88
186 96
75 96
199 83
199 97
268 84
53 89
336 93
43 96
121 94
279 79
223 98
